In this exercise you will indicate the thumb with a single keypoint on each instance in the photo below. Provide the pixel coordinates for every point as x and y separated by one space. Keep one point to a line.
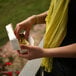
25 47
27 35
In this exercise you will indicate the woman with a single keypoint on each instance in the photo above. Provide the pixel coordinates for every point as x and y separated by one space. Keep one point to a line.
64 52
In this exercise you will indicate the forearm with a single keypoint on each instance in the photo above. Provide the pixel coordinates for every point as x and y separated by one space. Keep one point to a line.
38 19
33 20
68 51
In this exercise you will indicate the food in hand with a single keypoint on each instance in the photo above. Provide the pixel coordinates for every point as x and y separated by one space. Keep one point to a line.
22 40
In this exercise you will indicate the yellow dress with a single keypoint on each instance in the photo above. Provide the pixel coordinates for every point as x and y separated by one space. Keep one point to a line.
56 23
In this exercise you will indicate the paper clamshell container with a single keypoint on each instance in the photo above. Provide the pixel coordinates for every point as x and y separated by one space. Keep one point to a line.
14 41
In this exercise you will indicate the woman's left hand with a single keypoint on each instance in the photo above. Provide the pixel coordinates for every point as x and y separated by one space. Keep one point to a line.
33 52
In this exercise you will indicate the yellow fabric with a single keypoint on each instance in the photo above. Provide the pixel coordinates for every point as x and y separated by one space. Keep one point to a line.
56 23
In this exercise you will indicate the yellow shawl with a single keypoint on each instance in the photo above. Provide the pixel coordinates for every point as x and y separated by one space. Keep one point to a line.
56 23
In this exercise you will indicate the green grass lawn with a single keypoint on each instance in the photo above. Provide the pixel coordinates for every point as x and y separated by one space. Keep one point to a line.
14 11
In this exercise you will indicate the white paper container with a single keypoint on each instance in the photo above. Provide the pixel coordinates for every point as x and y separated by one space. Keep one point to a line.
32 66
14 41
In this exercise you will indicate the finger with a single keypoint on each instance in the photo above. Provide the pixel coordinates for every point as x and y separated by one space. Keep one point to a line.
27 34
25 47
18 51
24 56
16 31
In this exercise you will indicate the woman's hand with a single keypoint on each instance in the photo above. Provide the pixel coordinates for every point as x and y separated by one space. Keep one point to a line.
25 26
33 52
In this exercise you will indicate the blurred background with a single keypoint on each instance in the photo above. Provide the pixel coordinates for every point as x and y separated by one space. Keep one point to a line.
15 11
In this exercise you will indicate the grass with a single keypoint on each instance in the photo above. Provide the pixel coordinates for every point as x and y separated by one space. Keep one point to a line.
14 11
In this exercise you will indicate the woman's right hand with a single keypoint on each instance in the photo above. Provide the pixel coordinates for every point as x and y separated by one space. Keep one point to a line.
25 25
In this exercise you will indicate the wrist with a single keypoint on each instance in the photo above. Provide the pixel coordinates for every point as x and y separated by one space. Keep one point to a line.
33 19
44 52
47 52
